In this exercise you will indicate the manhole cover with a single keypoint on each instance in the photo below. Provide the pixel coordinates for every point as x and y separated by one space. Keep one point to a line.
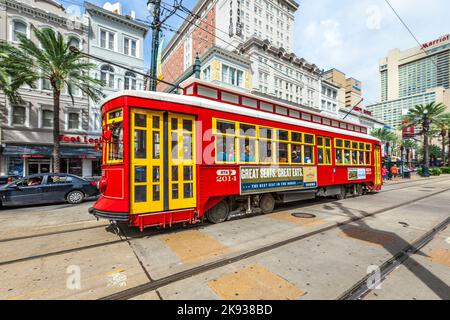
303 215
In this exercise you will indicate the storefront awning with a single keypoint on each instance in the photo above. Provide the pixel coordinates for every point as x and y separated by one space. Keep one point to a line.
46 152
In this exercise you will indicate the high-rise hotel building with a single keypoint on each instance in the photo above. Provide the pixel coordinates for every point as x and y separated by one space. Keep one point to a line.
416 76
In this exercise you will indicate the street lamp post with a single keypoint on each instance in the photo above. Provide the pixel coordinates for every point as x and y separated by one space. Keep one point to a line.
426 127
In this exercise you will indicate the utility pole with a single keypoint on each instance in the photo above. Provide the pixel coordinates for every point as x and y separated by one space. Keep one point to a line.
154 6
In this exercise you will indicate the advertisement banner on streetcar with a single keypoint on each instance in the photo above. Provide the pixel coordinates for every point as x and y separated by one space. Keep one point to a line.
357 174
275 179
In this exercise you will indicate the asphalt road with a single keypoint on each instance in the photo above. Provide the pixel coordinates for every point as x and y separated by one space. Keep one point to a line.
60 251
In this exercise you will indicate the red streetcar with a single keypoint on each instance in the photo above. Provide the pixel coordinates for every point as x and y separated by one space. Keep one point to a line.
216 153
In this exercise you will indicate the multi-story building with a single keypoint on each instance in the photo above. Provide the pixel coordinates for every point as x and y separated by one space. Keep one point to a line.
415 76
261 31
352 88
26 129
119 39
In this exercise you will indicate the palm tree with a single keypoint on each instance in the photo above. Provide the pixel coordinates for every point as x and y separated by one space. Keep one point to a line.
409 145
443 125
386 136
424 115
55 62
14 72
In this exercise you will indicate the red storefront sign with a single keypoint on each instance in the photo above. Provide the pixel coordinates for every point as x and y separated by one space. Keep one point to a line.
407 132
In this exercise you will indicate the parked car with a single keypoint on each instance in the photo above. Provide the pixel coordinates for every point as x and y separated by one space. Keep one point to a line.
8 179
47 188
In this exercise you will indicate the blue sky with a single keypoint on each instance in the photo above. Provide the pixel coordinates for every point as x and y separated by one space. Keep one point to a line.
350 35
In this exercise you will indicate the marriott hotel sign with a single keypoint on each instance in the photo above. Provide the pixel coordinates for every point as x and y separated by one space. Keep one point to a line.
435 42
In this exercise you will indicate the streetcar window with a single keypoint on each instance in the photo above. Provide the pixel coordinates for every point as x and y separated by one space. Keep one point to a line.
309 154
354 145
140 120
265 145
361 146
339 143
174 173
294 114
339 157
140 174
187 125
156 122
156 176
309 138
297 155
156 145
354 157
368 146
174 145
335 123
247 150
247 130
265 133
368 158
361 157
282 152
283 135
174 124
140 194
188 190
296 137
225 149
140 144
324 151
347 144
187 146
156 193
317 119
175 191
249 102
266 106
306 116
225 127
115 145
187 173
326 121
281 110
115 114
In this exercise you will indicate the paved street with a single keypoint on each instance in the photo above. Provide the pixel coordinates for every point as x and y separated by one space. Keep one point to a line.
60 251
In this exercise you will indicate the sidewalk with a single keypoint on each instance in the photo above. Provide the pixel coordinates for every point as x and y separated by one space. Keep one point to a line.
414 177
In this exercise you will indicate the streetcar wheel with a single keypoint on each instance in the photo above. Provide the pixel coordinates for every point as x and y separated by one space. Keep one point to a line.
342 195
218 213
267 203
75 197
359 190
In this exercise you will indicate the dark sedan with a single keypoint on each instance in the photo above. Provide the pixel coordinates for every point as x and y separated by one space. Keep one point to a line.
46 188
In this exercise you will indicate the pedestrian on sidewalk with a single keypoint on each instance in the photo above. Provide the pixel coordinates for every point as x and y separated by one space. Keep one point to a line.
384 173
394 171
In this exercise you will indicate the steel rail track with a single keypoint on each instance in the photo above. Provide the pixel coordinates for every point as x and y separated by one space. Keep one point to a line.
153 285
362 288
51 233
161 231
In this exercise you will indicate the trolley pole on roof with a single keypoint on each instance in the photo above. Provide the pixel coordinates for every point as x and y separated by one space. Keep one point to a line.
154 6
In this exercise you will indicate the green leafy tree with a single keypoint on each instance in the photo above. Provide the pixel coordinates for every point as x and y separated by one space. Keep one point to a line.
14 72
386 136
53 60
424 115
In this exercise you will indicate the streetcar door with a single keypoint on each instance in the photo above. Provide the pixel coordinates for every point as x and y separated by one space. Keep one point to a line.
377 164
181 171
146 161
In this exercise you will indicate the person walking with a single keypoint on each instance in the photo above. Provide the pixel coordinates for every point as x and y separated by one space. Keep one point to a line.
384 173
394 171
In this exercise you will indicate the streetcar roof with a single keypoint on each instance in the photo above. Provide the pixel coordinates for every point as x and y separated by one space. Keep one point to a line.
225 107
